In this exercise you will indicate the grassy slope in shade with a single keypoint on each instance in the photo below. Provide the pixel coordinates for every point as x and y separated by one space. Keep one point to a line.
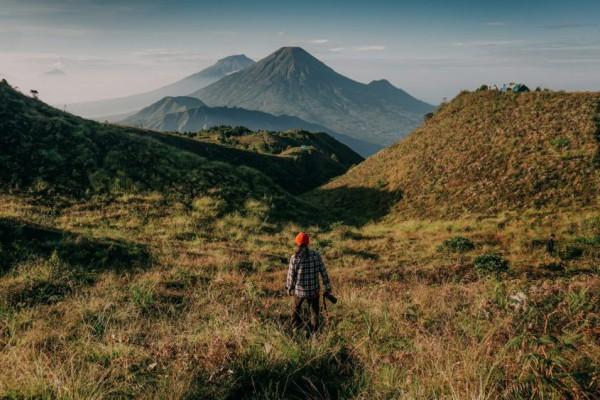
484 152
297 170
48 152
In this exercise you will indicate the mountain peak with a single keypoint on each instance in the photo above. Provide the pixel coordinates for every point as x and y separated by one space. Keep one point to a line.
295 63
294 55
381 83
236 58
291 50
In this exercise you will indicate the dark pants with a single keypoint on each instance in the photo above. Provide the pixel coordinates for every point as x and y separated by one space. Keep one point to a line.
313 302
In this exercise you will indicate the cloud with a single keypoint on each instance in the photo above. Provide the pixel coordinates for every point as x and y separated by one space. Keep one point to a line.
55 72
319 41
486 43
24 29
355 49
170 55
567 26
370 48
494 23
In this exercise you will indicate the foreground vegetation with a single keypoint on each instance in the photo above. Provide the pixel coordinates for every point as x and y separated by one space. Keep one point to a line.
166 280
171 303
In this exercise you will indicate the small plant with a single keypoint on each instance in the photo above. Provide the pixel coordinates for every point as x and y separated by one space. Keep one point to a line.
491 264
553 266
571 252
457 244
142 296
561 143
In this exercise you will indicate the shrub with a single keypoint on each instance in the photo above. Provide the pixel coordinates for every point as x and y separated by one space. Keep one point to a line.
491 263
143 296
571 252
457 244
561 143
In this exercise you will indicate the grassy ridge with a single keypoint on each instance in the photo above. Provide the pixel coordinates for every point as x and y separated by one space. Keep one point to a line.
50 153
486 152
296 160
150 291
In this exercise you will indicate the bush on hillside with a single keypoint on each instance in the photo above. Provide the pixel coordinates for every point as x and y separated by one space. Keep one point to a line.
457 244
571 252
491 264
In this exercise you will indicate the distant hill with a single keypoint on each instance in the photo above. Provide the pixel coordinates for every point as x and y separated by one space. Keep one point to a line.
293 82
296 160
188 114
279 143
124 105
48 153
484 152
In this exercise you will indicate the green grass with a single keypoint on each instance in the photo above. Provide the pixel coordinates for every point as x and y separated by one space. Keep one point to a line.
483 152
158 293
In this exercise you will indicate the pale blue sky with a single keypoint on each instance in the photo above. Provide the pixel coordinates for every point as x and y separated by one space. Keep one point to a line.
431 48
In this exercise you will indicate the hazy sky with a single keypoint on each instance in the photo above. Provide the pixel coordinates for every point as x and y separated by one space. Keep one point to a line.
432 48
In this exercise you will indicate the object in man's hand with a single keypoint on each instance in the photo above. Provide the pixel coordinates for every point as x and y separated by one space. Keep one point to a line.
330 297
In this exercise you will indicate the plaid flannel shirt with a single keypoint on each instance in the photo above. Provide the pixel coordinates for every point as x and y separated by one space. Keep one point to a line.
303 274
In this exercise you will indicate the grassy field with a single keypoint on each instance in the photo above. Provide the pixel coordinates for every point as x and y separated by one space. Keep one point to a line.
169 302
483 152
132 268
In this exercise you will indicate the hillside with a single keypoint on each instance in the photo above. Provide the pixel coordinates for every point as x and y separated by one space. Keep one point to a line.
293 82
484 152
77 157
129 104
307 161
131 267
188 114
50 153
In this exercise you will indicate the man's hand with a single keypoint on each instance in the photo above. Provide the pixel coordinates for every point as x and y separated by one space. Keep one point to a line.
290 292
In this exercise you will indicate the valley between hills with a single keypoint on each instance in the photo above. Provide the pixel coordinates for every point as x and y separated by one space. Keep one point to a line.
145 264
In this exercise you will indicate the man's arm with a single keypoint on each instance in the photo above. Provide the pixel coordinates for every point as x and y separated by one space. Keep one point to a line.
291 275
324 275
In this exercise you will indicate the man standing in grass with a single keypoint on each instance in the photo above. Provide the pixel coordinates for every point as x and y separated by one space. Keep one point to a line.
303 281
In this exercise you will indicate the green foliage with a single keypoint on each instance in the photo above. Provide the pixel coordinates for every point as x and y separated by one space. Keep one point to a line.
142 295
306 372
571 252
457 244
549 369
71 157
561 143
491 264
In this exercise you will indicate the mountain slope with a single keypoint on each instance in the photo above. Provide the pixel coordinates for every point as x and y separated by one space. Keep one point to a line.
52 152
188 114
46 152
128 104
484 153
293 82
309 159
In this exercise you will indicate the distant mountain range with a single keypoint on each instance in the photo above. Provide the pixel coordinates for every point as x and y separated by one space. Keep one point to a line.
189 114
129 104
293 82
